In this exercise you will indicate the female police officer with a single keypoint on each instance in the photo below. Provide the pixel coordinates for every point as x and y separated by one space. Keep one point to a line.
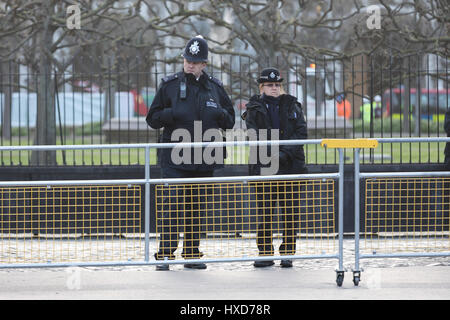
273 109
184 101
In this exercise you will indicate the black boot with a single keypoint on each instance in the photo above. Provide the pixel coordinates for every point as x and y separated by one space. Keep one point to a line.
162 267
198 266
263 264
286 263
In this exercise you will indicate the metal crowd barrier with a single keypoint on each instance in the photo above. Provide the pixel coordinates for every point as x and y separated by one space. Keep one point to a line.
110 211
406 214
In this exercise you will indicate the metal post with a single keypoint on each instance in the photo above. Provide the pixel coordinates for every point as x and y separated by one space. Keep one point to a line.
147 203
356 271
341 208
340 271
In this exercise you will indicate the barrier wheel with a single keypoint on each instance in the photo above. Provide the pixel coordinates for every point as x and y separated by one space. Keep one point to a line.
356 278
339 278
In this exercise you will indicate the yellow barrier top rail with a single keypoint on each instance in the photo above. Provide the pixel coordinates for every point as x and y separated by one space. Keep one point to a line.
349 143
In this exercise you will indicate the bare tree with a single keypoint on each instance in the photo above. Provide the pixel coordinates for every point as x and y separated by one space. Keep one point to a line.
276 32
266 32
35 34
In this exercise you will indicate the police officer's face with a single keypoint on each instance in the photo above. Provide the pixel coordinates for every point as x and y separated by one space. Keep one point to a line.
271 89
195 68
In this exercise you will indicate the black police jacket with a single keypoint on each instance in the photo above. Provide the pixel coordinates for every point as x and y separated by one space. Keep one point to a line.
292 127
202 102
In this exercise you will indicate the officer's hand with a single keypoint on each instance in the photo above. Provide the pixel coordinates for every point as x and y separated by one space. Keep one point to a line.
167 116
215 113
282 158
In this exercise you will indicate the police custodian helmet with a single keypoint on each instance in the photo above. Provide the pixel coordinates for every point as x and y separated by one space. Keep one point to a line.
270 75
196 50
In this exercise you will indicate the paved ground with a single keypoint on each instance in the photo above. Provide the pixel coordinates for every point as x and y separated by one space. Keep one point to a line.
224 283
426 278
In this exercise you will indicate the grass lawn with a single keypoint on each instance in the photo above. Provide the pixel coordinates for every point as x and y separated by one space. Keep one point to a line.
315 154
385 153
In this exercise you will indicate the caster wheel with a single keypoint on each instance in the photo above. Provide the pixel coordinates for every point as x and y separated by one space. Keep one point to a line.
356 278
339 278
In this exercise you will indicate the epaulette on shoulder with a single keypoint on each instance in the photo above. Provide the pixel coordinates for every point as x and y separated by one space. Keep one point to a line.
216 81
170 77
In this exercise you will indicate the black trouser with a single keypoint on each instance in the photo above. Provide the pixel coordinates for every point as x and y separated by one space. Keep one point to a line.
183 207
287 195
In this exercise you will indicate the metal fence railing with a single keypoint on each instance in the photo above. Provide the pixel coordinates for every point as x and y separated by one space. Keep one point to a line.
404 214
109 106
99 222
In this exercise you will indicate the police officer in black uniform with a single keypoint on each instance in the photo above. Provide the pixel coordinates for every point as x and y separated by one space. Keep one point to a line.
274 109
187 101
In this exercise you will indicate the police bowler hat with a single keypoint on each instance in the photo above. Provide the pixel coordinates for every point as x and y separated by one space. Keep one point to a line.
270 75
196 50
